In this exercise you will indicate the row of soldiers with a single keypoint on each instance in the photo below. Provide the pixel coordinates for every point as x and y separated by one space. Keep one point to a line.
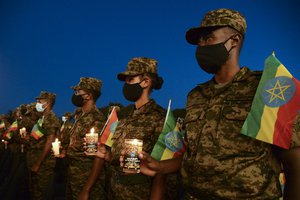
28 138
35 127
25 136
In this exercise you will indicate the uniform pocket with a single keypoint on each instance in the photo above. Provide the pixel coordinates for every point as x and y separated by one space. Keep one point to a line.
236 109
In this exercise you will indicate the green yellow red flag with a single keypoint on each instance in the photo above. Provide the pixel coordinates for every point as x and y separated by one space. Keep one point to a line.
37 131
170 143
275 105
10 131
109 128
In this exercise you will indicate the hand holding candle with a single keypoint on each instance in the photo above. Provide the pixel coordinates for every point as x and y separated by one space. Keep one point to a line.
132 148
5 143
91 142
55 147
23 135
23 132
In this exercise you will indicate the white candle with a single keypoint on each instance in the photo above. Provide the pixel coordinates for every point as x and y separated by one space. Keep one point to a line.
23 132
5 144
91 142
55 147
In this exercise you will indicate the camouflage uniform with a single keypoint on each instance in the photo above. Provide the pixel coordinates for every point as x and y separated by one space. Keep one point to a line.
65 131
80 165
23 122
137 125
221 163
146 124
61 167
41 182
18 174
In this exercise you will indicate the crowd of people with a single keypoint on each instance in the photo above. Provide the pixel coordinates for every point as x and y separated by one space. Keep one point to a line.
219 162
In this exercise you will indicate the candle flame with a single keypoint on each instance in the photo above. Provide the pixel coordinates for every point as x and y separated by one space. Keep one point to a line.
92 130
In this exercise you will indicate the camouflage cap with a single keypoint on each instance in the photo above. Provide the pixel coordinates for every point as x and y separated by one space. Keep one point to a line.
219 17
69 115
47 95
88 83
137 66
23 109
30 108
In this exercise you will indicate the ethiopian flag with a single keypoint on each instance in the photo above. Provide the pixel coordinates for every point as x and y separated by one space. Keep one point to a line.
275 105
10 131
170 142
109 128
2 125
37 131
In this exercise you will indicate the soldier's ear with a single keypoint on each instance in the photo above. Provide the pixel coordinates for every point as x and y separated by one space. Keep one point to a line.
146 82
235 40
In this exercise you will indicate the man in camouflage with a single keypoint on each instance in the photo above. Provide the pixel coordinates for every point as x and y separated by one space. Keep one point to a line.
39 159
18 175
220 162
84 176
64 133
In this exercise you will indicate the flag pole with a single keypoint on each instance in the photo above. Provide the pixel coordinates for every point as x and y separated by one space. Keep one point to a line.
106 122
168 111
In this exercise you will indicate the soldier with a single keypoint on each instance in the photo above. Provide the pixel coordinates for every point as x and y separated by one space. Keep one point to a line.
18 168
145 122
65 128
39 159
61 167
84 179
220 162
4 124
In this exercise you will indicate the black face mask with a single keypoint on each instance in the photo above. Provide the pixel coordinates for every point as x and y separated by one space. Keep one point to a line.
132 92
77 100
211 57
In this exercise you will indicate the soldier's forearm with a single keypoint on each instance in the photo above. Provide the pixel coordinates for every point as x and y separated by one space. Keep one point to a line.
46 150
170 166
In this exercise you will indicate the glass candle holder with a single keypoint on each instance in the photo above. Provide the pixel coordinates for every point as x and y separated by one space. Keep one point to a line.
131 161
56 147
91 142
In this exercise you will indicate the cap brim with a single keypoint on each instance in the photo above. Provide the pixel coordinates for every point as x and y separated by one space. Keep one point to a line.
75 87
122 76
193 34
40 98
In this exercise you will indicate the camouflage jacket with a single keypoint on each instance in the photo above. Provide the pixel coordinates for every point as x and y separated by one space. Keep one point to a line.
82 125
50 123
145 123
17 140
64 134
220 162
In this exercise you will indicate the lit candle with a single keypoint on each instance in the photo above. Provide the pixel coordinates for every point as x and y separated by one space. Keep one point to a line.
91 142
23 132
55 147
23 135
5 143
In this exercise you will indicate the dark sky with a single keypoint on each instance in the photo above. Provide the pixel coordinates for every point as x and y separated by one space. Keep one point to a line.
49 45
